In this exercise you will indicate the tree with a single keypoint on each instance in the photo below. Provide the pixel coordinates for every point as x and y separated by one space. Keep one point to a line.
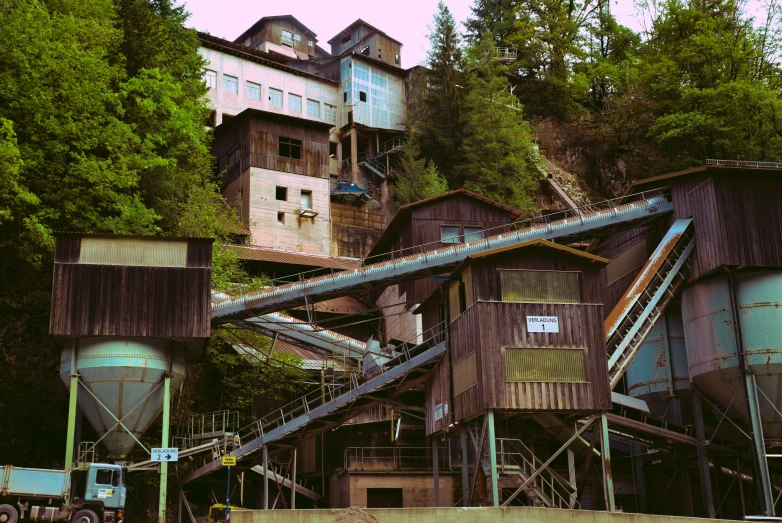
500 156
416 178
437 107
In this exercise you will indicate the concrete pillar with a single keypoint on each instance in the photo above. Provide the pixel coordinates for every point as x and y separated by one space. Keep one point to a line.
495 494
354 169
436 471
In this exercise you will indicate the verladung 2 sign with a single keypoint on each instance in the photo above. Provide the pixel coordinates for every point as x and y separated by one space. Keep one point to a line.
542 324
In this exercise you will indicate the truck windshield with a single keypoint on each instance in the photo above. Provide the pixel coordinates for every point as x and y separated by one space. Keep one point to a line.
107 477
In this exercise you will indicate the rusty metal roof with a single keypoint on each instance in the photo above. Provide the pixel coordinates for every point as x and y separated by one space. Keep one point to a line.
265 254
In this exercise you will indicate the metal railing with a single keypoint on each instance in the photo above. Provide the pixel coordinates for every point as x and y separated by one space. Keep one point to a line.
390 146
741 164
505 53
86 454
514 457
393 458
219 424
583 213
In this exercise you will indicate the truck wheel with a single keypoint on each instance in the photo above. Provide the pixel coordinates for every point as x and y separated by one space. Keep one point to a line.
8 514
85 516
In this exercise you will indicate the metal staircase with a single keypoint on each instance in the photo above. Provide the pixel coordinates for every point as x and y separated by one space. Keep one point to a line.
634 316
373 165
516 463
586 221
326 408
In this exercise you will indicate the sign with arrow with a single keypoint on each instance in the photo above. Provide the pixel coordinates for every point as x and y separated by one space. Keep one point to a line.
542 324
161 454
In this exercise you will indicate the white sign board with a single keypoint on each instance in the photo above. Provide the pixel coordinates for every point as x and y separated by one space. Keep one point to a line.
438 412
542 324
171 454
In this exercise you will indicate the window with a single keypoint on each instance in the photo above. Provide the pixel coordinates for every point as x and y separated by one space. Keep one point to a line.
290 148
465 374
472 233
107 477
309 43
306 199
396 59
362 96
210 79
286 38
294 103
230 84
347 39
365 50
275 97
313 108
332 149
253 91
379 54
449 234
330 113
545 364
528 286
281 218
296 38
281 194
345 97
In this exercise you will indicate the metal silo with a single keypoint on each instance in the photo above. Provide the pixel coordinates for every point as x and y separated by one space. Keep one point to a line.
712 346
659 370
122 379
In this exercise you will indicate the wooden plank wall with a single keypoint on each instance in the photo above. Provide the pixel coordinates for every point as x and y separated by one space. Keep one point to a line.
272 32
103 300
490 326
258 141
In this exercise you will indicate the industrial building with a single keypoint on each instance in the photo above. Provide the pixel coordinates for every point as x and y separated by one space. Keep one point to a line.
620 355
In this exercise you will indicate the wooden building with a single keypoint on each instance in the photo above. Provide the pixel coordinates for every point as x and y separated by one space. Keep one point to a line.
367 40
427 225
283 35
524 328
132 286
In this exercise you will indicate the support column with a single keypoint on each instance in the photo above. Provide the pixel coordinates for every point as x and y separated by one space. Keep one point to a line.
640 478
605 454
703 459
164 444
72 409
436 471
265 478
354 154
571 471
465 468
495 495
293 480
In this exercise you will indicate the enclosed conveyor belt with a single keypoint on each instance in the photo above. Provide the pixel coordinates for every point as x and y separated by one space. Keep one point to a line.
416 266
328 408
632 319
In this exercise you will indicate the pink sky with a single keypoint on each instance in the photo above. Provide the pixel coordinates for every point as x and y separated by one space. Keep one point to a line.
405 20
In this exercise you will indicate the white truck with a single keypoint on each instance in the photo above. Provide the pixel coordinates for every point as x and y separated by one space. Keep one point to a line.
94 495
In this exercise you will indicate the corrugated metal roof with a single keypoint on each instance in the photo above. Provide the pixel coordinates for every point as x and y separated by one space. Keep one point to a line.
292 257
309 360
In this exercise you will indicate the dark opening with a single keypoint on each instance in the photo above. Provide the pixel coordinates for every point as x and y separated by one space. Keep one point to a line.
462 297
332 149
384 498
362 96
396 59
441 328
365 50
282 194
345 97
281 216
290 148
347 39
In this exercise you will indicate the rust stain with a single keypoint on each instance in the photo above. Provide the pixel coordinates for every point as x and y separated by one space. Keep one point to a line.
641 282
661 361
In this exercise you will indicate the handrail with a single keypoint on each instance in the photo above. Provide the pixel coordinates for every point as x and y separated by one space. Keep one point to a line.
393 458
583 213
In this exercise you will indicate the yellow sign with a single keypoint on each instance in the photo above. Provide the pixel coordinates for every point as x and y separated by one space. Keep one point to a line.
229 461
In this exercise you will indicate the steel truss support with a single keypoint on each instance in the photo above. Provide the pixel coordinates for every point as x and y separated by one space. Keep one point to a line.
495 491
605 454
72 408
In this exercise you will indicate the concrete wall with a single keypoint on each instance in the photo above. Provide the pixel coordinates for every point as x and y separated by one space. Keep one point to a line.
311 235
350 490
245 70
457 515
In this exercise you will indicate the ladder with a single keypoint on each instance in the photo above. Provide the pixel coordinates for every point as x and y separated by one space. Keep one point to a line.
643 303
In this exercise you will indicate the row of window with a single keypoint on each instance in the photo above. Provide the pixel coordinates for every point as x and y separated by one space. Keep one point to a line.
252 91
453 234
288 37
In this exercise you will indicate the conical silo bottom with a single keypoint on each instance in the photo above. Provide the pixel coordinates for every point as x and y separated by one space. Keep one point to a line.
126 375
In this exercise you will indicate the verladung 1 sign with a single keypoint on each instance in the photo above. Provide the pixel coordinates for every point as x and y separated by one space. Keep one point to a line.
542 324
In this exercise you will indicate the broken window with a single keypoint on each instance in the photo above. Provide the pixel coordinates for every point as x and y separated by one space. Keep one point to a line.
230 84
210 79
286 38
290 148
294 103
281 194
346 39
362 96
253 91
449 234
365 50
396 59
306 199
275 97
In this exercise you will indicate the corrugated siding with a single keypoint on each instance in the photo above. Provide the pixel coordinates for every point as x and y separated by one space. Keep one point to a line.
136 252
545 364
532 286
465 374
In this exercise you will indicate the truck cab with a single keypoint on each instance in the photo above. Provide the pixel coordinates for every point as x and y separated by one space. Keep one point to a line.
106 483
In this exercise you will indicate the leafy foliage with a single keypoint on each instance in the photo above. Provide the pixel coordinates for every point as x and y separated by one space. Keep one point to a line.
416 178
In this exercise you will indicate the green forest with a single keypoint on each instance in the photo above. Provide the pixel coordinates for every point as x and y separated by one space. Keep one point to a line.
103 128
